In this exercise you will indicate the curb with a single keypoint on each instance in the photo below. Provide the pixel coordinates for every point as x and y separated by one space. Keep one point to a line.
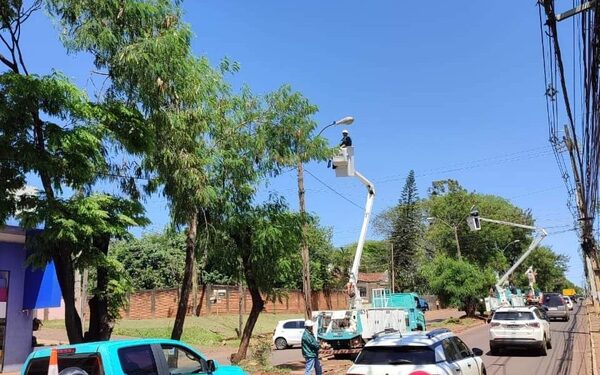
594 363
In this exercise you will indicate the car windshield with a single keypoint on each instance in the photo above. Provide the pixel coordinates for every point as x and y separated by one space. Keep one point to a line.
553 301
396 355
513 315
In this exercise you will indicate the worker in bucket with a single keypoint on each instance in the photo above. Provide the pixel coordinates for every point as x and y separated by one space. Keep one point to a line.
310 349
346 140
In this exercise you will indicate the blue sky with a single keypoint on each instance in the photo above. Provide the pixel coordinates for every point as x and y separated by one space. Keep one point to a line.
451 91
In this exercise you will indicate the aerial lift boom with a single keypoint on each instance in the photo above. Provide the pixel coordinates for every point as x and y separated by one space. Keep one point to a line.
474 222
343 163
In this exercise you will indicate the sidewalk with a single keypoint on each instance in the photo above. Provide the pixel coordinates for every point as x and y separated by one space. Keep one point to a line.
594 327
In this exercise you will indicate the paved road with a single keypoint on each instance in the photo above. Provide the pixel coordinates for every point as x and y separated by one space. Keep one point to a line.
570 340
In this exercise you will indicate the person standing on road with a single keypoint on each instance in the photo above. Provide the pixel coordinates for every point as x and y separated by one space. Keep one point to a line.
310 349
437 304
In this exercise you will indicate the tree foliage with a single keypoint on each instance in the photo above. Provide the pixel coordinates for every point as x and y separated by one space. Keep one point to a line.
449 205
153 261
458 283
405 235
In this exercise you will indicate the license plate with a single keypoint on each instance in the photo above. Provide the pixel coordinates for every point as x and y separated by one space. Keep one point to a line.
513 326
553 308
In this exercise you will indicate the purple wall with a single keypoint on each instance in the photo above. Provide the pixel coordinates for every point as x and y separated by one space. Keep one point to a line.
18 323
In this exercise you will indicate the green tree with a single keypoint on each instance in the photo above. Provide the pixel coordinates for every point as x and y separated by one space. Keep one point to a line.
255 139
50 128
449 204
144 48
406 233
458 283
153 261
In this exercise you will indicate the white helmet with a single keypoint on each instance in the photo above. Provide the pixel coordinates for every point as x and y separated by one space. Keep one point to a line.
309 323
345 131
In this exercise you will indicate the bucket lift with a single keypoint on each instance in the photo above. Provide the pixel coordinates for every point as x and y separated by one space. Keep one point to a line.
505 298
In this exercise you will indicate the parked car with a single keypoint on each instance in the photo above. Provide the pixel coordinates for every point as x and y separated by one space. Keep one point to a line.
568 302
128 357
555 306
423 305
288 333
525 326
438 351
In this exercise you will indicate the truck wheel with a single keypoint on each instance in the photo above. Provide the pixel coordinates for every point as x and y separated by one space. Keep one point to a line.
543 350
420 327
280 343
494 349
549 344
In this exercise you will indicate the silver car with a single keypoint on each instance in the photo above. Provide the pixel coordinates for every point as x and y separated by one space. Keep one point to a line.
555 306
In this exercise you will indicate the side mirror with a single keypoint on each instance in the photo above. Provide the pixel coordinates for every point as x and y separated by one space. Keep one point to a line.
210 364
477 352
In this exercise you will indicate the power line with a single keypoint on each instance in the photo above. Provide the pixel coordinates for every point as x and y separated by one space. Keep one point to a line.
335 191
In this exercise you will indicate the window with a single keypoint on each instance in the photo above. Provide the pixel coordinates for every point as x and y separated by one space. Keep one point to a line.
450 351
293 324
513 315
463 349
396 355
88 362
182 361
553 300
137 360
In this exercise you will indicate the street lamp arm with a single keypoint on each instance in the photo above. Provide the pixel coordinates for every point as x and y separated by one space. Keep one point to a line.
328 126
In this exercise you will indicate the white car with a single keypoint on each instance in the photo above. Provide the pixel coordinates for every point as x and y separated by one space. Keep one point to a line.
436 352
288 332
568 302
525 326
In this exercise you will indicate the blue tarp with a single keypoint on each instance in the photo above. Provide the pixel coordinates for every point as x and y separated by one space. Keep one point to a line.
41 288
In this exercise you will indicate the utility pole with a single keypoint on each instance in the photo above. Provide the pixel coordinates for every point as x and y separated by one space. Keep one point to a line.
392 274
304 246
306 289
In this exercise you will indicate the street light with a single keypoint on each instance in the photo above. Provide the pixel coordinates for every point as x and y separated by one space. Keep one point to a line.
306 290
343 121
455 228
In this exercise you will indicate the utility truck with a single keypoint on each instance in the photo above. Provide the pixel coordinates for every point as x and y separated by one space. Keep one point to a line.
504 296
346 331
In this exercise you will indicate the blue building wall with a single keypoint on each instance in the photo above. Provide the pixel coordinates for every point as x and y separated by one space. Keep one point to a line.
18 321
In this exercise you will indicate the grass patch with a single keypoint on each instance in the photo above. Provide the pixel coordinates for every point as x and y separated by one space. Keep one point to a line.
213 330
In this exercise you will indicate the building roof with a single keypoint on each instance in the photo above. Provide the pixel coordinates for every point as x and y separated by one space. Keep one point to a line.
373 277
12 234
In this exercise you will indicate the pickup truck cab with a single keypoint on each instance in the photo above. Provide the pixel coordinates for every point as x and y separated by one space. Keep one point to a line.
127 357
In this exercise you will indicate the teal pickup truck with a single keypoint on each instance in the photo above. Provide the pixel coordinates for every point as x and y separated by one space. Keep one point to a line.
127 357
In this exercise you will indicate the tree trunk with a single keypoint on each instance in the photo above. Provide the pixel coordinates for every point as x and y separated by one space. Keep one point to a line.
66 280
101 325
186 284
257 306
470 308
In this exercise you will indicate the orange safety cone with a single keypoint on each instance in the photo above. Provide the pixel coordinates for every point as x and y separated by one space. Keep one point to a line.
53 364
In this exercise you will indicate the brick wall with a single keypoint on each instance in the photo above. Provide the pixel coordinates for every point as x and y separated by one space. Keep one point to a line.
222 299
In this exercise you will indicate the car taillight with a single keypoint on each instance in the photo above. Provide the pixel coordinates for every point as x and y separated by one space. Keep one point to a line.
536 324
420 372
494 324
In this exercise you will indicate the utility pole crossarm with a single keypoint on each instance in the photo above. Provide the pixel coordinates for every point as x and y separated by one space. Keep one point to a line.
578 9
